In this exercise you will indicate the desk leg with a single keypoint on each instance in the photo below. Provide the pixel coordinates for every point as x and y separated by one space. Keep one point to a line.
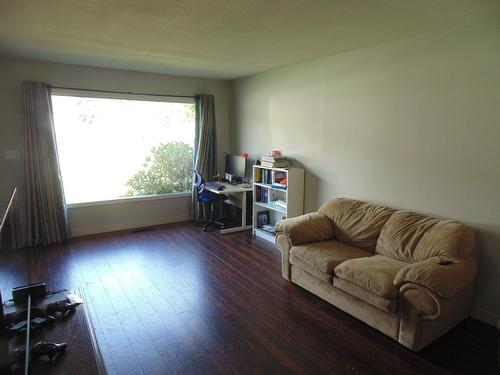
244 225
244 209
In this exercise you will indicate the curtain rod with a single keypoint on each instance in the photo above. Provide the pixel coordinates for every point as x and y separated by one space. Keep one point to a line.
123 92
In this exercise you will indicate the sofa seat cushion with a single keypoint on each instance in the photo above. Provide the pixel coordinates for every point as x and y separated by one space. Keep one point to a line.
389 305
324 256
316 272
375 274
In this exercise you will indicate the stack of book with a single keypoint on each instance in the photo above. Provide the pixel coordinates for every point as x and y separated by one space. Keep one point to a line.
274 161
280 203
269 228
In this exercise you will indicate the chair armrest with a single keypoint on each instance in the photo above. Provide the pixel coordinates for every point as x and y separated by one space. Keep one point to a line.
313 227
444 280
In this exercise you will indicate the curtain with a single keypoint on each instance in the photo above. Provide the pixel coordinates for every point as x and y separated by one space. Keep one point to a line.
45 206
205 146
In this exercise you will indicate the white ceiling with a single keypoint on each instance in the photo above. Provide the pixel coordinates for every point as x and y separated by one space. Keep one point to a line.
217 38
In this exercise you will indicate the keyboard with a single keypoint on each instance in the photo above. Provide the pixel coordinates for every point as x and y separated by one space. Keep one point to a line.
214 185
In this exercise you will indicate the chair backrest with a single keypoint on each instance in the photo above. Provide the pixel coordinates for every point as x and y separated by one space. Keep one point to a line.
203 194
199 183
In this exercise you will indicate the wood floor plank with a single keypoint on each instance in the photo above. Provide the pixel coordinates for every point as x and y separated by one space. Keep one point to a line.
177 300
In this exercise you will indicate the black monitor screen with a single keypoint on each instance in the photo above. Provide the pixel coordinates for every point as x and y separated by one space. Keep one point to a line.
236 165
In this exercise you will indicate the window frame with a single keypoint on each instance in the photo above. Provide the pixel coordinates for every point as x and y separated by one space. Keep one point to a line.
101 94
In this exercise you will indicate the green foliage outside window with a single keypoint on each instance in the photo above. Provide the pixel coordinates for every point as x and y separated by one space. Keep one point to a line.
169 169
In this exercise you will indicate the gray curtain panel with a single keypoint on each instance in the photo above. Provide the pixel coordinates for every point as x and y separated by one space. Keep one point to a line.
205 144
46 209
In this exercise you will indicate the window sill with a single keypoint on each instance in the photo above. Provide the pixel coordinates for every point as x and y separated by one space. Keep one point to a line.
126 200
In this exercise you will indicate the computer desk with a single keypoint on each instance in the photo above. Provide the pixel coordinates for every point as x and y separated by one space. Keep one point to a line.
237 191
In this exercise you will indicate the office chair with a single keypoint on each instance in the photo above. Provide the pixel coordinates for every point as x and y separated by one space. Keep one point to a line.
204 196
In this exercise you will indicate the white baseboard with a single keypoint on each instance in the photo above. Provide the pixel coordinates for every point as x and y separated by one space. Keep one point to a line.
116 227
485 316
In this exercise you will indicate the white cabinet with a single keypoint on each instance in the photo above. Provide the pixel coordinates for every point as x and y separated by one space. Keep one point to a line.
278 193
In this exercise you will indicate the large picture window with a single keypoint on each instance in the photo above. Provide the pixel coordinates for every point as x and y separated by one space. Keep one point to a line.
123 145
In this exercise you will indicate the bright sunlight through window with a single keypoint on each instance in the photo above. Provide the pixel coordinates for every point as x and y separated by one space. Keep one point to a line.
111 148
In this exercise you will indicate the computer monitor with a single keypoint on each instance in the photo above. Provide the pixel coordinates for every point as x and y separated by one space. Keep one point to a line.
235 166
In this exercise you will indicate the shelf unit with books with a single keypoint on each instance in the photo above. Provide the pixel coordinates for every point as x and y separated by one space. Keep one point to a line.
278 193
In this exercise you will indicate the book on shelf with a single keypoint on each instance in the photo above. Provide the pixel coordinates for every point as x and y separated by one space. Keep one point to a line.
279 186
278 164
280 180
280 177
258 175
267 177
258 194
280 203
269 228
273 159
265 195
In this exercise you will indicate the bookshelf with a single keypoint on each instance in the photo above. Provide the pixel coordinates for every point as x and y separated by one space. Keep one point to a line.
273 200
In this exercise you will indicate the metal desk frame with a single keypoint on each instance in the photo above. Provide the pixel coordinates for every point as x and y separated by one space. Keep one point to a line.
235 190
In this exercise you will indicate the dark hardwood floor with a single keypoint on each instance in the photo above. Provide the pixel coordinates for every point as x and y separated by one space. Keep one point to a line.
176 300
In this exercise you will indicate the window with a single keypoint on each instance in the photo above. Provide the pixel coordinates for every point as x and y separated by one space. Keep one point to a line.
123 145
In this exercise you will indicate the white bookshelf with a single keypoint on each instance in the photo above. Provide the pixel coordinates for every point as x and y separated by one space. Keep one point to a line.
292 196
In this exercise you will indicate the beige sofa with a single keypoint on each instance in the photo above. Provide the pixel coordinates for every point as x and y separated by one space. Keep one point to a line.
408 275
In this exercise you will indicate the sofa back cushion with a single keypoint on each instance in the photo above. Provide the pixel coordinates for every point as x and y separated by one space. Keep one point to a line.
413 237
356 223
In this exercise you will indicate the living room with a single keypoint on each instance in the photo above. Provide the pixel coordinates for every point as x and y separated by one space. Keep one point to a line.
392 103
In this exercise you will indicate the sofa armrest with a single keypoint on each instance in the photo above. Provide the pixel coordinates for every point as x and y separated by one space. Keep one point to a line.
446 280
283 243
421 300
424 315
294 231
313 227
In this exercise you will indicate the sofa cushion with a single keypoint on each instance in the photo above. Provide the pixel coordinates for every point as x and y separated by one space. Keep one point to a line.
389 305
375 274
356 223
325 255
306 267
447 239
313 227
413 237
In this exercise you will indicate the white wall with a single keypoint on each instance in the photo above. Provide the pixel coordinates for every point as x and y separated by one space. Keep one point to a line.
412 124
127 213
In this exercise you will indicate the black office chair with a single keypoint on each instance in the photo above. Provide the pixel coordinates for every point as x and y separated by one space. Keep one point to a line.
205 197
